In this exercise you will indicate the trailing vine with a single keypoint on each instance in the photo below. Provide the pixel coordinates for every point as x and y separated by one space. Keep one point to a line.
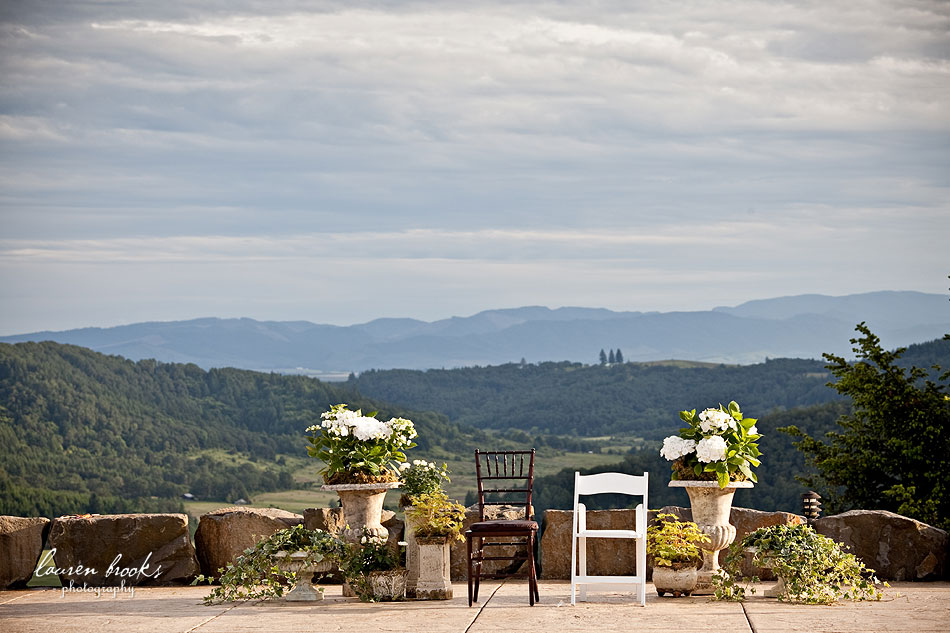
256 573
813 567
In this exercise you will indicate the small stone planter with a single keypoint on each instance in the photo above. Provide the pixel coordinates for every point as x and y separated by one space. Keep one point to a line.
434 581
388 586
675 581
303 591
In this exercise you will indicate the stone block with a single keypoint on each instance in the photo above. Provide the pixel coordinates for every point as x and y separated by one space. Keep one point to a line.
895 546
224 534
116 549
21 543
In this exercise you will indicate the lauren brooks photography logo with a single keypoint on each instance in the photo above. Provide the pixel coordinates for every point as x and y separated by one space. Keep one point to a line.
114 579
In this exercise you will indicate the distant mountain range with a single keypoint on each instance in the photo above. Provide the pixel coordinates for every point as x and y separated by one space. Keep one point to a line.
786 327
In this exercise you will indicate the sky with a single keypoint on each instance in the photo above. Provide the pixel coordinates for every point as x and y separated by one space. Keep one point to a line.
337 162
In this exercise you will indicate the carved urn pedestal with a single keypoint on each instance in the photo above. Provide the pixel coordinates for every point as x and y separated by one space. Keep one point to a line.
711 506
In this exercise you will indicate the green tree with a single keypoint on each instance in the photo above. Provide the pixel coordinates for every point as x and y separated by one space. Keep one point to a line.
611 359
619 356
894 450
603 357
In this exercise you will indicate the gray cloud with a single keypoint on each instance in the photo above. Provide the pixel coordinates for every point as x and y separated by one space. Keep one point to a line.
510 139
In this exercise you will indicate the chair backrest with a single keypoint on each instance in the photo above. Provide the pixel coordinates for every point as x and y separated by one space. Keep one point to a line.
505 478
611 483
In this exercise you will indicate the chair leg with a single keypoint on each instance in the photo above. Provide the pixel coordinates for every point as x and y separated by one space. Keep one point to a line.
533 584
468 549
582 566
479 552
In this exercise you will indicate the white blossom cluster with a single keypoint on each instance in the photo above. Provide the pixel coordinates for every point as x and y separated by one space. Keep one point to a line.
343 423
711 449
419 464
675 447
716 420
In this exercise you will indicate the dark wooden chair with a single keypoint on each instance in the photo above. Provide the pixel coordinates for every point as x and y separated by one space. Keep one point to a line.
505 478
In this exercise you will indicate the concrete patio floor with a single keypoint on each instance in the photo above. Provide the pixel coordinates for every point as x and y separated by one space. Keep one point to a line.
910 607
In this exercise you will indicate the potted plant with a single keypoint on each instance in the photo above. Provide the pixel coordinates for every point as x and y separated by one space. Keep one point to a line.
431 522
287 558
811 568
371 567
435 521
360 457
712 456
676 554
420 477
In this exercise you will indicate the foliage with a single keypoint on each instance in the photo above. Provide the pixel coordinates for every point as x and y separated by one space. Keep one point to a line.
371 554
356 448
813 567
85 432
435 515
718 442
671 541
421 477
563 398
894 450
256 574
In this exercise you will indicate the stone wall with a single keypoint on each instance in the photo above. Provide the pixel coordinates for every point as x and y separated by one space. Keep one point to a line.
897 547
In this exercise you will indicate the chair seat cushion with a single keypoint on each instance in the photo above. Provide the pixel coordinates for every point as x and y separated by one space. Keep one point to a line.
503 526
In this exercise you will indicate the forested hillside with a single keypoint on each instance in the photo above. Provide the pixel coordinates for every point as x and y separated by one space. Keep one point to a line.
86 432
627 398
574 399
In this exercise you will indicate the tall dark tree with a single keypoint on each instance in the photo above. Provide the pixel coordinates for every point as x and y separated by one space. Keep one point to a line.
611 358
894 450
619 356
603 357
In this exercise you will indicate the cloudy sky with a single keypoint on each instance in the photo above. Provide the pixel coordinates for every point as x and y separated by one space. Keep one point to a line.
341 161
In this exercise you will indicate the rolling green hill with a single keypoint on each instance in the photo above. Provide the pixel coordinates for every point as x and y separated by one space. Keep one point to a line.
84 432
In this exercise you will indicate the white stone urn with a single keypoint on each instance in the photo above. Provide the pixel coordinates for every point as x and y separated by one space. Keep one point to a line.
434 580
362 508
711 506
303 591
675 581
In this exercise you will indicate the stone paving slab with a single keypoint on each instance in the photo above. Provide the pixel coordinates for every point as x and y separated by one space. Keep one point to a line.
909 607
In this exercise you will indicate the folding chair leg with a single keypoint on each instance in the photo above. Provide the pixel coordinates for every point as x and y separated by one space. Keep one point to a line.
582 566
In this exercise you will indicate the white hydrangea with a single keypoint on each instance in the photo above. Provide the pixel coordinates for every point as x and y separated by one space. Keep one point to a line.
716 420
365 429
711 449
753 430
675 447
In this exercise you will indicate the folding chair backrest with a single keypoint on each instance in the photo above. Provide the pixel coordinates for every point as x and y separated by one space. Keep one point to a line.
505 478
615 483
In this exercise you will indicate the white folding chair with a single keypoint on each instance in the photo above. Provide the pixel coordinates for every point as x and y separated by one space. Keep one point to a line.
617 483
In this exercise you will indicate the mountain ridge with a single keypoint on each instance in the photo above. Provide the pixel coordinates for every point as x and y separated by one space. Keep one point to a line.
802 326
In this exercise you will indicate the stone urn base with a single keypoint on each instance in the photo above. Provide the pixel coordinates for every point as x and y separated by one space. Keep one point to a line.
676 582
711 507
303 591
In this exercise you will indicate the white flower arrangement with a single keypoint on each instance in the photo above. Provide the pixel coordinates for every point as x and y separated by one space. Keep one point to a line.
718 442
356 447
